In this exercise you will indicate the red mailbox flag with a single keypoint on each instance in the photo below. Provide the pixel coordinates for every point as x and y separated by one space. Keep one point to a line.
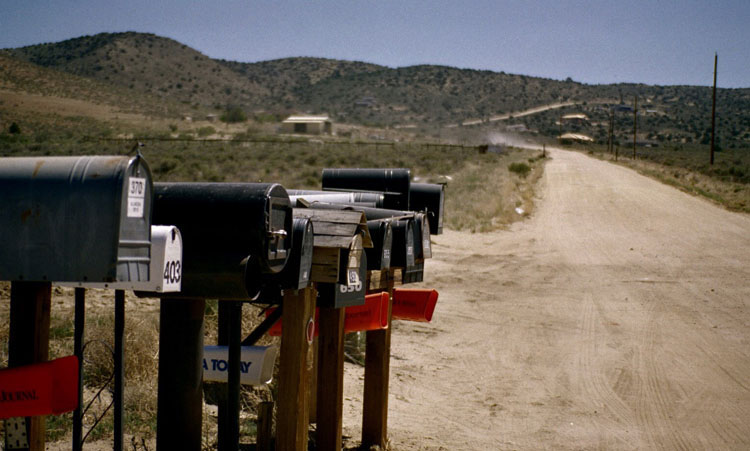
39 389
372 315
414 305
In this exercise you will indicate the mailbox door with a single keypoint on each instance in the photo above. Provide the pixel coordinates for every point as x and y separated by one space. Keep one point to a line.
429 197
379 256
402 253
75 219
339 295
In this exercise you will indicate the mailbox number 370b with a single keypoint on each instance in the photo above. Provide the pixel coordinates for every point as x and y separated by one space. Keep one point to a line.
172 271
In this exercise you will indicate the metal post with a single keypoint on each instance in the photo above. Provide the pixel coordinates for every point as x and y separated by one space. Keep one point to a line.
78 334
230 324
713 109
119 367
180 398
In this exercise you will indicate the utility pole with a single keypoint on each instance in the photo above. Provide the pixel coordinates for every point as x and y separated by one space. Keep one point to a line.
611 144
635 122
713 110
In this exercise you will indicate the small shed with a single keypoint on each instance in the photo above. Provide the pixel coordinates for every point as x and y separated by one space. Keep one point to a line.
314 125
578 118
569 138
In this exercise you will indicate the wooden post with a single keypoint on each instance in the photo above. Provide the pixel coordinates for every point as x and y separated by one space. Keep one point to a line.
180 398
313 399
28 340
377 372
265 426
230 331
330 389
713 109
635 123
611 146
293 405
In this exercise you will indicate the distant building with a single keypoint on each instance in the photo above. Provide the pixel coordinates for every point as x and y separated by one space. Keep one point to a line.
366 101
578 118
313 125
622 109
569 138
517 128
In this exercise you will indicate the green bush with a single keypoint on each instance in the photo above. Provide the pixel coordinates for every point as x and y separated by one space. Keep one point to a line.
522 169
233 115
206 131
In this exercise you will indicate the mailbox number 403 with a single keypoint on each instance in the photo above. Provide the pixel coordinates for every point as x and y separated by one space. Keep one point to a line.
172 271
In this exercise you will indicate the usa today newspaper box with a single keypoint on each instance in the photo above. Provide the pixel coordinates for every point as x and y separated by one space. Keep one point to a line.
75 219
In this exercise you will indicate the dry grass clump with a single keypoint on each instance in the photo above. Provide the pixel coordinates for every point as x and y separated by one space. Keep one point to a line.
485 194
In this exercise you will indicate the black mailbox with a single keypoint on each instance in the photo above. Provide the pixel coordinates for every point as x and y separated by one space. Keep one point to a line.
338 295
394 183
75 219
430 198
296 273
233 234
413 274
422 242
379 255
402 251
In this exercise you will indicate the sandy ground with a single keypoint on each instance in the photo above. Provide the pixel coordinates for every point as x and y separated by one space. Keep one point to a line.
616 317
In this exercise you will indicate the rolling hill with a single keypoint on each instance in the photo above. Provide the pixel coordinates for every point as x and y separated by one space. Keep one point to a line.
143 67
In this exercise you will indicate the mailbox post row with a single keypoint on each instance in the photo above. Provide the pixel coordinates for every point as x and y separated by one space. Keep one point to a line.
222 225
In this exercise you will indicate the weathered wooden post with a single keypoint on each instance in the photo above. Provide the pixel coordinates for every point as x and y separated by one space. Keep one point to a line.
28 343
294 369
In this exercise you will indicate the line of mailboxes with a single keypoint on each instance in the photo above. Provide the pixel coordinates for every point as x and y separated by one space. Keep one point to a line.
87 221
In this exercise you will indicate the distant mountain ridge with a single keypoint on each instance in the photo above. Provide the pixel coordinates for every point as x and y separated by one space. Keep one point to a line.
357 92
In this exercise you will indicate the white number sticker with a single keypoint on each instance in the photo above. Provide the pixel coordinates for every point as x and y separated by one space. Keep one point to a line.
136 197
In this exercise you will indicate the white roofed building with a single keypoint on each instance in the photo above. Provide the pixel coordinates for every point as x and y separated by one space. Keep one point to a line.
303 124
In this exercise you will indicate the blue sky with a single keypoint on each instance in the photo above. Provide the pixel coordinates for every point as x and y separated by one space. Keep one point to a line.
662 42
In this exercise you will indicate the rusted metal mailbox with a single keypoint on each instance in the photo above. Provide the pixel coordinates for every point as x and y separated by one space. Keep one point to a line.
75 219
429 198
234 235
393 183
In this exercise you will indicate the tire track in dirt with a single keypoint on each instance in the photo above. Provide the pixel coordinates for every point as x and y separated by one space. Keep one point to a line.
616 317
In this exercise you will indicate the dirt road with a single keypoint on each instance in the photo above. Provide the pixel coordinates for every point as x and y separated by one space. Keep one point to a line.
617 317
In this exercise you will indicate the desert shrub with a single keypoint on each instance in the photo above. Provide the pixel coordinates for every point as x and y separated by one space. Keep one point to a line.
233 115
522 169
206 131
